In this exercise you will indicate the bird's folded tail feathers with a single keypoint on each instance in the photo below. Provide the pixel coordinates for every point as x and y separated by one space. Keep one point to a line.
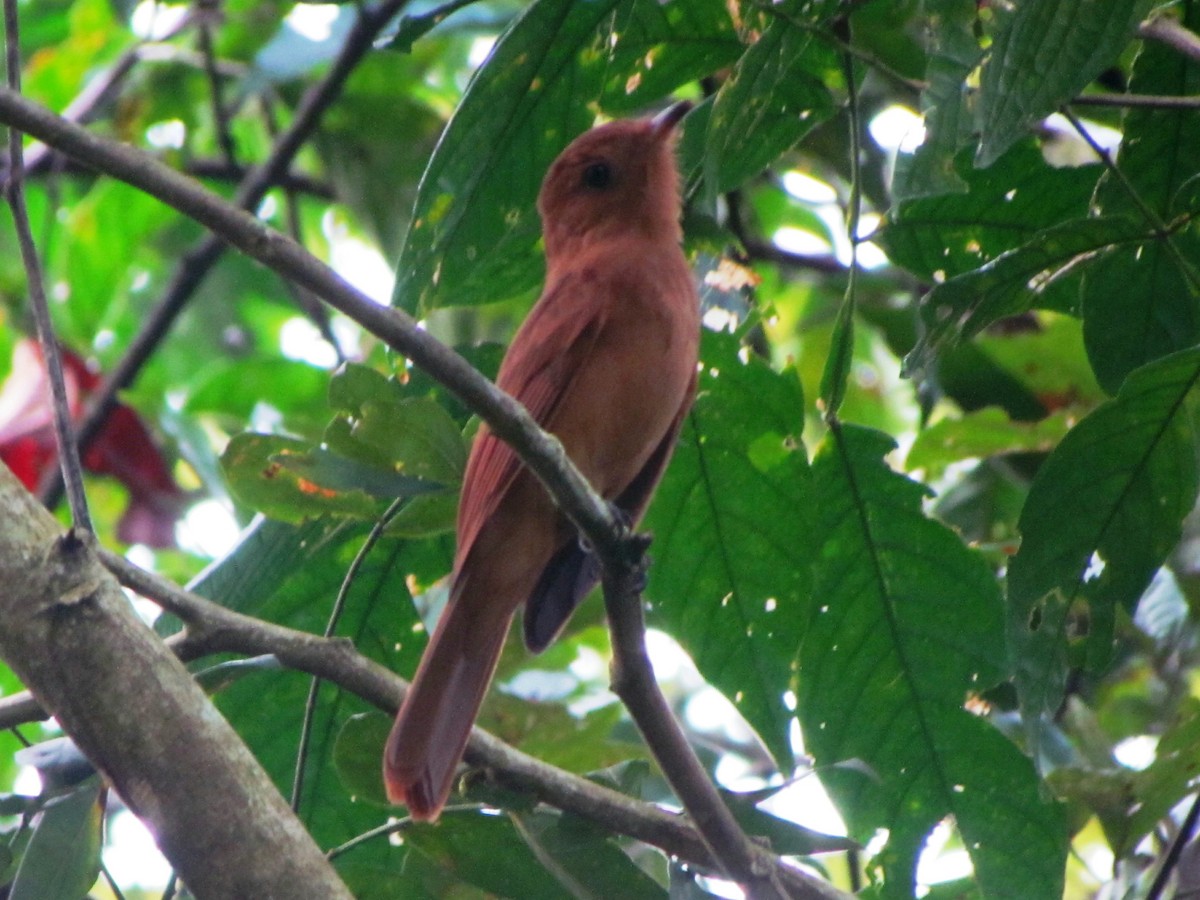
434 722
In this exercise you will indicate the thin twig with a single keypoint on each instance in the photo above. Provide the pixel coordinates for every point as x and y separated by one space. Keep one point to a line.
206 12
313 308
197 262
1150 101
1170 31
111 882
335 615
1153 219
68 450
1186 830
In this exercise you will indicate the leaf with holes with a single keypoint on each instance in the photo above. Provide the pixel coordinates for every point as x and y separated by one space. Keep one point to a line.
905 627
1042 273
1144 302
1004 207
776 95
733 531
474 233
1100 518
1044 54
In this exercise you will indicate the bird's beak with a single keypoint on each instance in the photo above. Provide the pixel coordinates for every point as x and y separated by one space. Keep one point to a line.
664 123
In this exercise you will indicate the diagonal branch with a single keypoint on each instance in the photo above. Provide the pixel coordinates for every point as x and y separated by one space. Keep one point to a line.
198 262
509 420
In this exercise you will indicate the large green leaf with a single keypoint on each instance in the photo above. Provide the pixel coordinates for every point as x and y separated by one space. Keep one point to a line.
1003 207
1101 516
905 627
1043 272
486 851
732 522
776 94
474 233
1144 302
1042 55
952 53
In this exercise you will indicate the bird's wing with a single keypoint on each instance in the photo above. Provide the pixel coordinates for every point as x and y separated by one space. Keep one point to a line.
574 570
546 355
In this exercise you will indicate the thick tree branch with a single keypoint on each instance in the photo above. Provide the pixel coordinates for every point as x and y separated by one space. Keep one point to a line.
212 629
135 711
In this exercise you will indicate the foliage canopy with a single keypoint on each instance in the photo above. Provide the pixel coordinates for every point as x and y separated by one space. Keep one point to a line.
933 504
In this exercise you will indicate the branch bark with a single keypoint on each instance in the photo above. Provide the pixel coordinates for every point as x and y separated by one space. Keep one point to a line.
135 711
213 629
509 420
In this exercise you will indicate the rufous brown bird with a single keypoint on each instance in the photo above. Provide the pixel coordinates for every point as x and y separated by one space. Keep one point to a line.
606 361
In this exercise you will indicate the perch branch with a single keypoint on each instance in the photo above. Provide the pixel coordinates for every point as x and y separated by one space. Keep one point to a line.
509 420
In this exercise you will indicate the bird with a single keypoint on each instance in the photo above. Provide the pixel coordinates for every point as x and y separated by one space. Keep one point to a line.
606 361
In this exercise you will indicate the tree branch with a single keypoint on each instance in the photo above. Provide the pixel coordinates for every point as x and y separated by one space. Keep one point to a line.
634 682
509 420
1170 31
143 720
197 262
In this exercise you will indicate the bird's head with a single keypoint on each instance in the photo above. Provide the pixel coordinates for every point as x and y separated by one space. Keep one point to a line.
616 180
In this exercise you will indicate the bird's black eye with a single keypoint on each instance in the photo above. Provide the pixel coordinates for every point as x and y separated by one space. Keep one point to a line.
597 176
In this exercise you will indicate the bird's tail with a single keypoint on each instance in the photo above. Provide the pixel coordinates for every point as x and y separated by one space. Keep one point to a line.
434 722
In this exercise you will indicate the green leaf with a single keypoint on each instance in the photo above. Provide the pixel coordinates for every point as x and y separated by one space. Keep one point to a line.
1144 302
987 432
1016 281
488 852
776 94
582 858
417 435
1139 305
731 563
1100 518
1004 206
1042 55
63 855
953 53
214 679
840 360
264 472
357 754
905 627
474 234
